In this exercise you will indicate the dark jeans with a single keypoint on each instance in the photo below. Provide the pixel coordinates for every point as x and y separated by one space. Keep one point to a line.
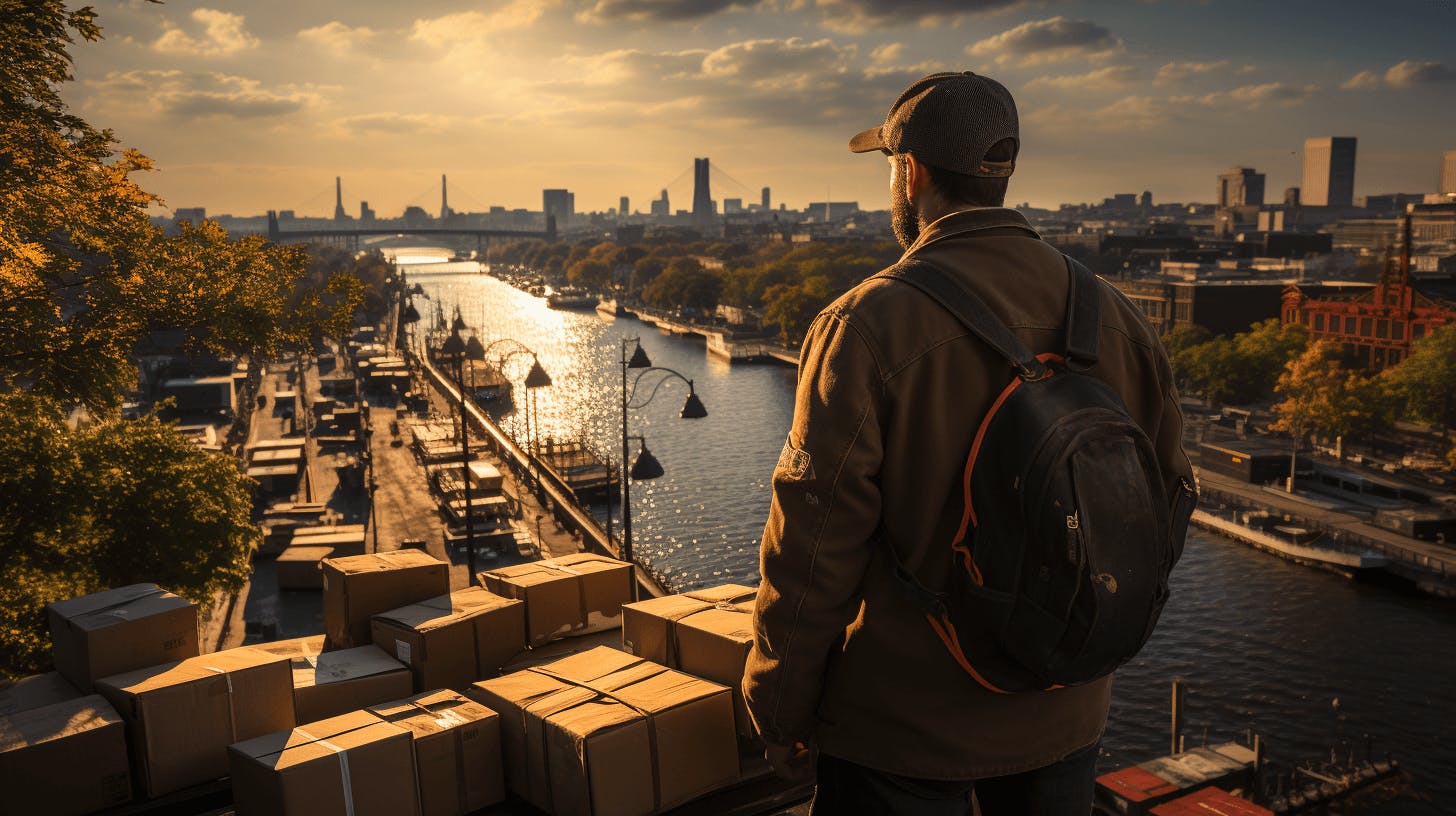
1061 789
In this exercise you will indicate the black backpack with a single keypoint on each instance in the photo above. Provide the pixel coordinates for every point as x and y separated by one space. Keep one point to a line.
1061 563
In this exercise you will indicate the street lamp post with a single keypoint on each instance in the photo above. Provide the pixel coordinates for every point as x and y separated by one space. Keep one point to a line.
646 466
457 350
536 377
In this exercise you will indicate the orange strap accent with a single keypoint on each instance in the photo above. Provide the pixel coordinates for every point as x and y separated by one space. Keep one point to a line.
948 637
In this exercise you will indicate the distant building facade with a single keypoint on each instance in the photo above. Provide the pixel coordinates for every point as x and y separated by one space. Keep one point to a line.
196 215
1239 187
558 204
702 195
1329 172
1448 173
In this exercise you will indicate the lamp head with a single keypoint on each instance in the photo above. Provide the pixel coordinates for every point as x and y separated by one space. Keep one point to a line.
646 467
453 346
473 349
410 315
458 324
639 358
692 407
537 376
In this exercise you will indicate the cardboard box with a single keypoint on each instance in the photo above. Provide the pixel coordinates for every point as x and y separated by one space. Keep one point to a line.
706 633
571 595
118 630
64 758
455 639
327 684
299 566
457 751
181 717
359 587
605 732
353 764
36 691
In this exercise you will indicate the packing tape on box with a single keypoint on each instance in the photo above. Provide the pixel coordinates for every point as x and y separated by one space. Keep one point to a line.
343 756
727 605
115 609
232 715
611 694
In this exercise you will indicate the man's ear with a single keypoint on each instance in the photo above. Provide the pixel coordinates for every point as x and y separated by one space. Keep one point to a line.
917 181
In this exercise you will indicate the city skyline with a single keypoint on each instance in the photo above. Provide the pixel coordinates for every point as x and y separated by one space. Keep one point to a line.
260 105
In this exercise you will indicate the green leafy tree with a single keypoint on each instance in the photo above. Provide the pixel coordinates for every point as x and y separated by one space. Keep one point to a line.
685 283
84 276
1319 397
592 274
1425 382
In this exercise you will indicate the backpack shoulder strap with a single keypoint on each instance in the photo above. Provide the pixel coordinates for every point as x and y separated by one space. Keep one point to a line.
970 310
1083 313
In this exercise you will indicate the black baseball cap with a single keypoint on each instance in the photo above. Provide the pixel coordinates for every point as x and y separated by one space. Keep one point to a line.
951 121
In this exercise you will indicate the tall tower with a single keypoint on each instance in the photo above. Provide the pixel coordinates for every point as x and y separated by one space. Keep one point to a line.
1240 187
1448 173
444 199
1329 172
624 208
339 214
765 199
702 198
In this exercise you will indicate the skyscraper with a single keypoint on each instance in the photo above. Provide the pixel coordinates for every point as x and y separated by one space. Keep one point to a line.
624 207
558 204
1448 173
702 198
661 207
765 200
1329 172
1240 187
339 214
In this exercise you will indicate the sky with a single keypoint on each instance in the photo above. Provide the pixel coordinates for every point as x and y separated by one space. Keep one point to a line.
251 105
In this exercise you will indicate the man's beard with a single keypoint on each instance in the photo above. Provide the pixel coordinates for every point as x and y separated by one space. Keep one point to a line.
903 218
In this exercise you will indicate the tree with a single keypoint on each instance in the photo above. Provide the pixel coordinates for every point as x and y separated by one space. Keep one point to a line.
686 284
1426 380
84 276
592 274
1321 398
1241 369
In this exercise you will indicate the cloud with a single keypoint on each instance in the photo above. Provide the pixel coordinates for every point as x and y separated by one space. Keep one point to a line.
1113 76
657 11
1057 39
859 16
191 95
337 37
396 123
469 29
790 82
1256 96
1408 73
222 35
1179 71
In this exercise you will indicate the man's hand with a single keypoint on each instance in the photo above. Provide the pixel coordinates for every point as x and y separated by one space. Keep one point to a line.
792 763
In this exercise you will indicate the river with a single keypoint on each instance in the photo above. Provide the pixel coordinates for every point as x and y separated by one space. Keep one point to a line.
1261 643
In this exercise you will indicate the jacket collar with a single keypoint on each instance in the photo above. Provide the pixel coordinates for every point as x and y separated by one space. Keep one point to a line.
969 221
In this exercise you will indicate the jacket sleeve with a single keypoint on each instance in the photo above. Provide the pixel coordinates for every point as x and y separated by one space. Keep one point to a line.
818 539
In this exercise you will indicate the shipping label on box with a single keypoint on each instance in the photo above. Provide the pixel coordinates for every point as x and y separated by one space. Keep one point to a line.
455 639
64 758
181 716
118 630
327 684
706 633
358 587
571 595
604 731
457 751
351 764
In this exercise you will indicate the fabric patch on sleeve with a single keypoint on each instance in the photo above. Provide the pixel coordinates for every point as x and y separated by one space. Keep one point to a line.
794 464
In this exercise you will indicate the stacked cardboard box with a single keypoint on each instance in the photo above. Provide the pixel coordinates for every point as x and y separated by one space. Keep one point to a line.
118 630
64 758
299 566
706 633
327 684
570 595
360 587
182 716
455 639
457 751
35 691
606 732
352 764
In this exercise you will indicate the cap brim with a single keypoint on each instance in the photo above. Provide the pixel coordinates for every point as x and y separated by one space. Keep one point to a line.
867 140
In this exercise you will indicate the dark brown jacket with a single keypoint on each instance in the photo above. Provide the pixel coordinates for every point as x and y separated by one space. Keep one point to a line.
891 389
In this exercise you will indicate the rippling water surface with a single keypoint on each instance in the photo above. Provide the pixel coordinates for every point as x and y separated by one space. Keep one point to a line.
1263 644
